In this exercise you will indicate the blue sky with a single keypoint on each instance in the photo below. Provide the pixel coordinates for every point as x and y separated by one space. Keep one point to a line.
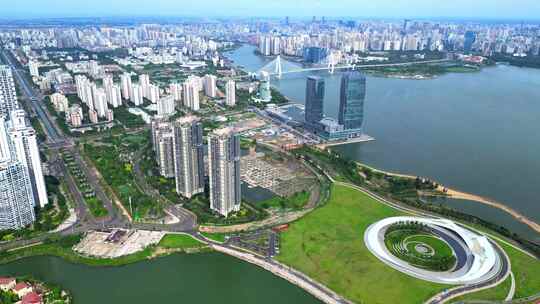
507 9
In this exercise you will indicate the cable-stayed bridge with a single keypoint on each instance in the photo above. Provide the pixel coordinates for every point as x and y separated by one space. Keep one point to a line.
279 67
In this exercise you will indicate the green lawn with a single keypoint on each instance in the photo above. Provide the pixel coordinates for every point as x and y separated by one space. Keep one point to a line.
402 243
328 246
441 247
497 293
62 249
527 275
96 207
182 241
526 272
296 201
218 237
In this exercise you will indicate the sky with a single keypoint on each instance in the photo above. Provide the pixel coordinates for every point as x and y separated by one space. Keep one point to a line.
484 9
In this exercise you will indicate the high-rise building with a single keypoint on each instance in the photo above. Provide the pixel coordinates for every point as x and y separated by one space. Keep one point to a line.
125 80
112 91
100 102
93 116
16 197
74 115
351 102
314 110
210 85
314 54
188 156
470 38
230 93
33 67
163 144
115 97
94 68
109 115
153 93
23 139
85 90
190 95
265 45
176 91
144 82
224 171
264 88
8 95
60 102
136 95
166 106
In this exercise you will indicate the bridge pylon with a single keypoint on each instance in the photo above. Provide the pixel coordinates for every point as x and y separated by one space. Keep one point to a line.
278 68
331 63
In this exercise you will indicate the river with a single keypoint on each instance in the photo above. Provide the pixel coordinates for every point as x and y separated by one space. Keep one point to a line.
180 278
476 132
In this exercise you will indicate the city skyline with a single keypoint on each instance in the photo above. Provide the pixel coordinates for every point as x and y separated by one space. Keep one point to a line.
483 9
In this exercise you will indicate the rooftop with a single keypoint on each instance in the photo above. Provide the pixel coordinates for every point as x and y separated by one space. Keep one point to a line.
189 119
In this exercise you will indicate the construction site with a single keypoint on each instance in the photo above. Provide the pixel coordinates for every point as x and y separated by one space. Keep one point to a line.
113 243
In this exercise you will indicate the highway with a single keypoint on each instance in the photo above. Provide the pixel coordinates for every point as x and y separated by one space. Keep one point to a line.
36 101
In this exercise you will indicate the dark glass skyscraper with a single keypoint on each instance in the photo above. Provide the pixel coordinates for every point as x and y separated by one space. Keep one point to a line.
314 100
470 38
351 102
314 54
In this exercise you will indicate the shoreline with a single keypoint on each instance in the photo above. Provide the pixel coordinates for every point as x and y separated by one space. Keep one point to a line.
461 195
453 193
317 289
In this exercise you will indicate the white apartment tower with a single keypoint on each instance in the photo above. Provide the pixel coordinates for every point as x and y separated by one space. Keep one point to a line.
16 198
8 95
153 93
144 82
191 95
230 93
125 81
166 106
224 171
176 91
210 85
163 143
188 156
26 149
136 95
100 102
33 67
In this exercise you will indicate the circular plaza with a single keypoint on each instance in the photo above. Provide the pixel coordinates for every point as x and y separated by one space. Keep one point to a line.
436 250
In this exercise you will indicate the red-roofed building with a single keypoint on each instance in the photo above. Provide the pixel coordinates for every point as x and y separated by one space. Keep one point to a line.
7 283
32 298
21 289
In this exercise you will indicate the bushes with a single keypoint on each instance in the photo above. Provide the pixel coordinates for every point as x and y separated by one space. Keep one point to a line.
441 259
110 161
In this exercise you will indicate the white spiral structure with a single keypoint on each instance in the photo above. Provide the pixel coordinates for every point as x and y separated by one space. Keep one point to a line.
476 258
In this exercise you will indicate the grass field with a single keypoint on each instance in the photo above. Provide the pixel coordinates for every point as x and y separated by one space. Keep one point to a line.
63 250
182 241
96 207
497 293
527 275
328 246
218 237
296 201
526 272
403 244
